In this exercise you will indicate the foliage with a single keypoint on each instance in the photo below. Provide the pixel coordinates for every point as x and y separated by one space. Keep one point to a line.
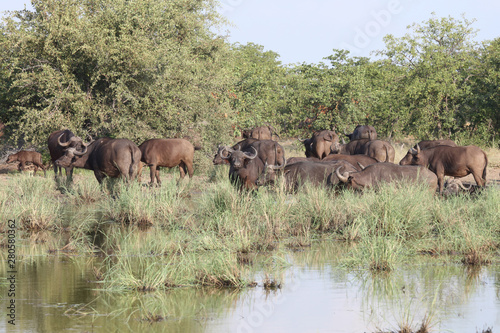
135 69
144 69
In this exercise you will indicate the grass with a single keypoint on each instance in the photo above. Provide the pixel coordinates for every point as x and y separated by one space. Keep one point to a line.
201 232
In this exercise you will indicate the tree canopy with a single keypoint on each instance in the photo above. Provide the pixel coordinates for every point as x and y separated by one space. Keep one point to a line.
142 69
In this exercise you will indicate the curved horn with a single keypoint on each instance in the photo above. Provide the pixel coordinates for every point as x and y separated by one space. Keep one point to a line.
87 144
361 166
81 153
250 156
63 144
418 149
301 140
342 177
229 150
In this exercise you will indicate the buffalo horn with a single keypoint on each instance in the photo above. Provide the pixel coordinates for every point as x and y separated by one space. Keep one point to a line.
418 149
81 153
361 166
229 150
342 177
250 156
63 144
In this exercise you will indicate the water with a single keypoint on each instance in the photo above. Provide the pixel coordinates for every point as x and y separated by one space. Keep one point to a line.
58 293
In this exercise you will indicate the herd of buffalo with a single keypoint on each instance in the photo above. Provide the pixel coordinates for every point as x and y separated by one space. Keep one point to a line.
258 160
363 162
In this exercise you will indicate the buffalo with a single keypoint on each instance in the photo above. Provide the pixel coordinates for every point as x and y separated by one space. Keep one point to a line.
58 142
168 153
363 132
450 161
320 144
380 150
353 159
375 174
242 145
106 157
425 144
245 167
295 159
260 133
299 173
24 157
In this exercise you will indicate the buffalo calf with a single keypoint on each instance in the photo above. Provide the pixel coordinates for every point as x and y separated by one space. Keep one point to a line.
24 157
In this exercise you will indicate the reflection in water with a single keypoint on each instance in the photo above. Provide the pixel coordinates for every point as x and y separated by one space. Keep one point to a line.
56 293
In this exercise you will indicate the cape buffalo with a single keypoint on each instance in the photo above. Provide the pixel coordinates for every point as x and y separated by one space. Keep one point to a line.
374 174
299 173
308 146
222 150
363 132
353 159
380 150
58 142
450 161
245 168
106 157
426 144
260 133
320 143
168 153
295 159
24 157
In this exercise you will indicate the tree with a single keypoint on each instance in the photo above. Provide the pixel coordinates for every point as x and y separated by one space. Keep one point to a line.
119 68
437 62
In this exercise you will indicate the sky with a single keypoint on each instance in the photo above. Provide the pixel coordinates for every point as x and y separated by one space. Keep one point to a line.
308 30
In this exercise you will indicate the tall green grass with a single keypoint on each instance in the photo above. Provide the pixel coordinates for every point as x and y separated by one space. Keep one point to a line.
210 225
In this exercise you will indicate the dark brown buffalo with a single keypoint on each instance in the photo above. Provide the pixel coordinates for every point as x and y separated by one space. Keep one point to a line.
353 159
320 144
308 147
380 150
269 151
245 167
352 148
167 153
450 161
58 142
223 150
426 144
299 173
375 174
292 160
106 157
24 157
260 133
363 132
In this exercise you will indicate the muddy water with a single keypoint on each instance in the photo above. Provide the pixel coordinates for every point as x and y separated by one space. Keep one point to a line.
60 294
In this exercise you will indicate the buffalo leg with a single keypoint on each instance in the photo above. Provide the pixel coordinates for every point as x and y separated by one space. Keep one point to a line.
158 175
99 175
190 170
182 170
21 166
38 165
479 180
